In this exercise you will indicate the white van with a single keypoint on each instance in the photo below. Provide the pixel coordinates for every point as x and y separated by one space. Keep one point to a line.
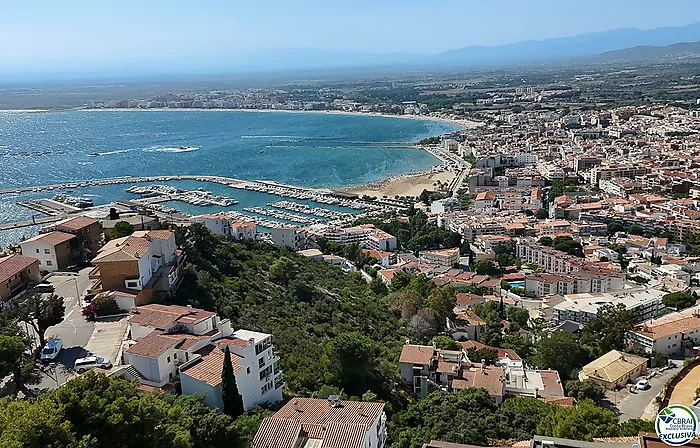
51 349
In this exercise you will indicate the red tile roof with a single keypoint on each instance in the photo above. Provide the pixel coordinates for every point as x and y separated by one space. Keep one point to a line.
77 223
153 345
490 378
209 367
416 354
13 265
161 316
53 238
344 426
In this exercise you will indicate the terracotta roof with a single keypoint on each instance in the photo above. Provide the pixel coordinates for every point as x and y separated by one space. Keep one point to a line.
552 382
160 234
378 254
123 249
416 354
53 238
77 223
153 345
613 365
14 264
344 426
161 316
276 433
489 378
208 368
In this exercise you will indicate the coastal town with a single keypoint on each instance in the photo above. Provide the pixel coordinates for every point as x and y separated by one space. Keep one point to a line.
372 238
553 221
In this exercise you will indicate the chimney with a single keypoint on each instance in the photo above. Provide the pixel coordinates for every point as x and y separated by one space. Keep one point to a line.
190 309
296 406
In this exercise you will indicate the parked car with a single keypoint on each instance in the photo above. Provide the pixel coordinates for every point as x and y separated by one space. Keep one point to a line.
44 287
87 299
51 349
82 365
642 385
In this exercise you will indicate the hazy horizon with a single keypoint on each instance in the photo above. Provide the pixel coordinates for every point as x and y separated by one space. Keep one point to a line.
89 37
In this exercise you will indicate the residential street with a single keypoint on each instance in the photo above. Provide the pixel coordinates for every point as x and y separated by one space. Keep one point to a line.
75 330
633 405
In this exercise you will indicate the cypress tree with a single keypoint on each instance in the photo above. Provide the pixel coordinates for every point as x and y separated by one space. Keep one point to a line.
233 402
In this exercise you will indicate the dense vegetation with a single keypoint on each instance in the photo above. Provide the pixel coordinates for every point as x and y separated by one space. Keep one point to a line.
94 411
308 306
471 417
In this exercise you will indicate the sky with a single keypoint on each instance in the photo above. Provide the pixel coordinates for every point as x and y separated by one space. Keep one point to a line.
56 35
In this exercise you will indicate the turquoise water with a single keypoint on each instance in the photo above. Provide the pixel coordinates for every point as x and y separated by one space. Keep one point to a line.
307 149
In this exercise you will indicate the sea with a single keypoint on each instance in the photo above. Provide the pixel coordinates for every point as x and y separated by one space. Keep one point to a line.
305 149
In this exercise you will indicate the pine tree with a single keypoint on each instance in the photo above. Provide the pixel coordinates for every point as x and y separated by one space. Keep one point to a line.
233 402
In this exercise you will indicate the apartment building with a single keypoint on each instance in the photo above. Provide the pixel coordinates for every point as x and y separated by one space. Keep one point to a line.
291 237
574 283
87 231
16 273
608 172
188 343
674 333
52 249
314 422
619 186
222 224
645 304
444 258
146 263
366 235
614 369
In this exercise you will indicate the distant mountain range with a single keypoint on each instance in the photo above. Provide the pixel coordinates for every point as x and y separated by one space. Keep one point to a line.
602 45
645 52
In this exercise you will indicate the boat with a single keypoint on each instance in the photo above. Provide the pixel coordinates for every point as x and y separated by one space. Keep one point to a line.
185 147
262 151
93 154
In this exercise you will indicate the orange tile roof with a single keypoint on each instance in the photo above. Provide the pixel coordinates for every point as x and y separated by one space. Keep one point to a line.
416 354
14 264
344 426
161 316
77 223
490 378
54 238
208 368
502 352
160 234
153 345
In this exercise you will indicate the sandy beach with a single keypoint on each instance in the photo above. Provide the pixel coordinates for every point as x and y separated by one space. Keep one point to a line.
406 185
464 124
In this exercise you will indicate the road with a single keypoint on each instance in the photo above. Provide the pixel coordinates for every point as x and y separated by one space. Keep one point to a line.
633 405
75 330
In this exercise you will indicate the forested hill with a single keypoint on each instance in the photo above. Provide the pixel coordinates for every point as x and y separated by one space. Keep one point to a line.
329 328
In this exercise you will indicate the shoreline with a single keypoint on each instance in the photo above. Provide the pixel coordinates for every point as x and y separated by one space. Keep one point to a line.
462 124
406 184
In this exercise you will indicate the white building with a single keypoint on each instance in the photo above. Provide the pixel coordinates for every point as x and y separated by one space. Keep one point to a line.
444 258
291 237
186 342
669 334
52 249
366 236
313 422
446 205
645 304
222 224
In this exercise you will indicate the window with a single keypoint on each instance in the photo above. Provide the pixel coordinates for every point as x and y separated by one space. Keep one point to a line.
261 362
174 355
168 359
37 251
247 372
49 262
170 375
46 251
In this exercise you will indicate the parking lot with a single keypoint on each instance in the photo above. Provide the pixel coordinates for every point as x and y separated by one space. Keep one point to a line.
107 337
